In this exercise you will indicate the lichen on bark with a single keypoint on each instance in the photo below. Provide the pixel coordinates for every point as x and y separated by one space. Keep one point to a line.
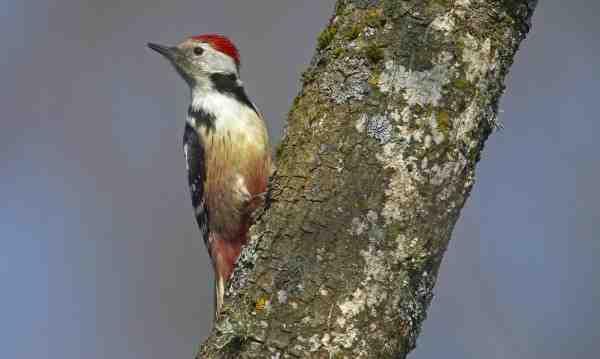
378 159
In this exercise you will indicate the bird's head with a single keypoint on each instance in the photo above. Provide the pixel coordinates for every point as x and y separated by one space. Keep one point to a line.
198 57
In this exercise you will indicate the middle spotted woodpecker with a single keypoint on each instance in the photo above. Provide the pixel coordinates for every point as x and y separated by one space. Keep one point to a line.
226 147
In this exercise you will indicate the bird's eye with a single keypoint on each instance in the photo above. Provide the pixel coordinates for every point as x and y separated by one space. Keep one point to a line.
198 50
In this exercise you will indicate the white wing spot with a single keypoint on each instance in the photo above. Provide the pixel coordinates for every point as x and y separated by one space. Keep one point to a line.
185 152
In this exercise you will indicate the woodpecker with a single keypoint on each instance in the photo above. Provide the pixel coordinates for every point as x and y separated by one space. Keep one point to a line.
226 147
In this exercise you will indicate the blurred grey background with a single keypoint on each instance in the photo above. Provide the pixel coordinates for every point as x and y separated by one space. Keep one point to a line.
100 255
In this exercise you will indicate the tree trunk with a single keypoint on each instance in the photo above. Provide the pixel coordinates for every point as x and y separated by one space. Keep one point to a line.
377 161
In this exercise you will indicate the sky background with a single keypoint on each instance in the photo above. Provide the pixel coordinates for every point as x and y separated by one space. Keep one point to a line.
99 251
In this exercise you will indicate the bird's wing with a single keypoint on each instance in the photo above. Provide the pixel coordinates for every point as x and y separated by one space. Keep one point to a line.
196 169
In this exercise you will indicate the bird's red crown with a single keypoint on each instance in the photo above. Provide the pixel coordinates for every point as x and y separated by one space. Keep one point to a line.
220 43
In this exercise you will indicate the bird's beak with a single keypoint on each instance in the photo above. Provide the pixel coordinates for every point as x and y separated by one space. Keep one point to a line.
170 52
177 58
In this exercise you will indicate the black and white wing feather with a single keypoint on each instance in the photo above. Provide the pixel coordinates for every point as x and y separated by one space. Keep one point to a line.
196 169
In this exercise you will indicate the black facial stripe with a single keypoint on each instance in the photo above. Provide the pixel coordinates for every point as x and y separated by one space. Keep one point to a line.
196 176
202 118
227 84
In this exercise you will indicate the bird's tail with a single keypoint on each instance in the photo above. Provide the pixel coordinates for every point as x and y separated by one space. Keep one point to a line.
219 294
224 254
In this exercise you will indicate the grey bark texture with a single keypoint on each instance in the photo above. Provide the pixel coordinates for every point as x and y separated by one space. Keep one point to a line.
377 161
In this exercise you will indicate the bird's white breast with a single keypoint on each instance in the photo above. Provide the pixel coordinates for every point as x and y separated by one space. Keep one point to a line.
231 118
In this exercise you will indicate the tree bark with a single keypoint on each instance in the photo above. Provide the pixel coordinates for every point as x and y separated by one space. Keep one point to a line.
377 161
